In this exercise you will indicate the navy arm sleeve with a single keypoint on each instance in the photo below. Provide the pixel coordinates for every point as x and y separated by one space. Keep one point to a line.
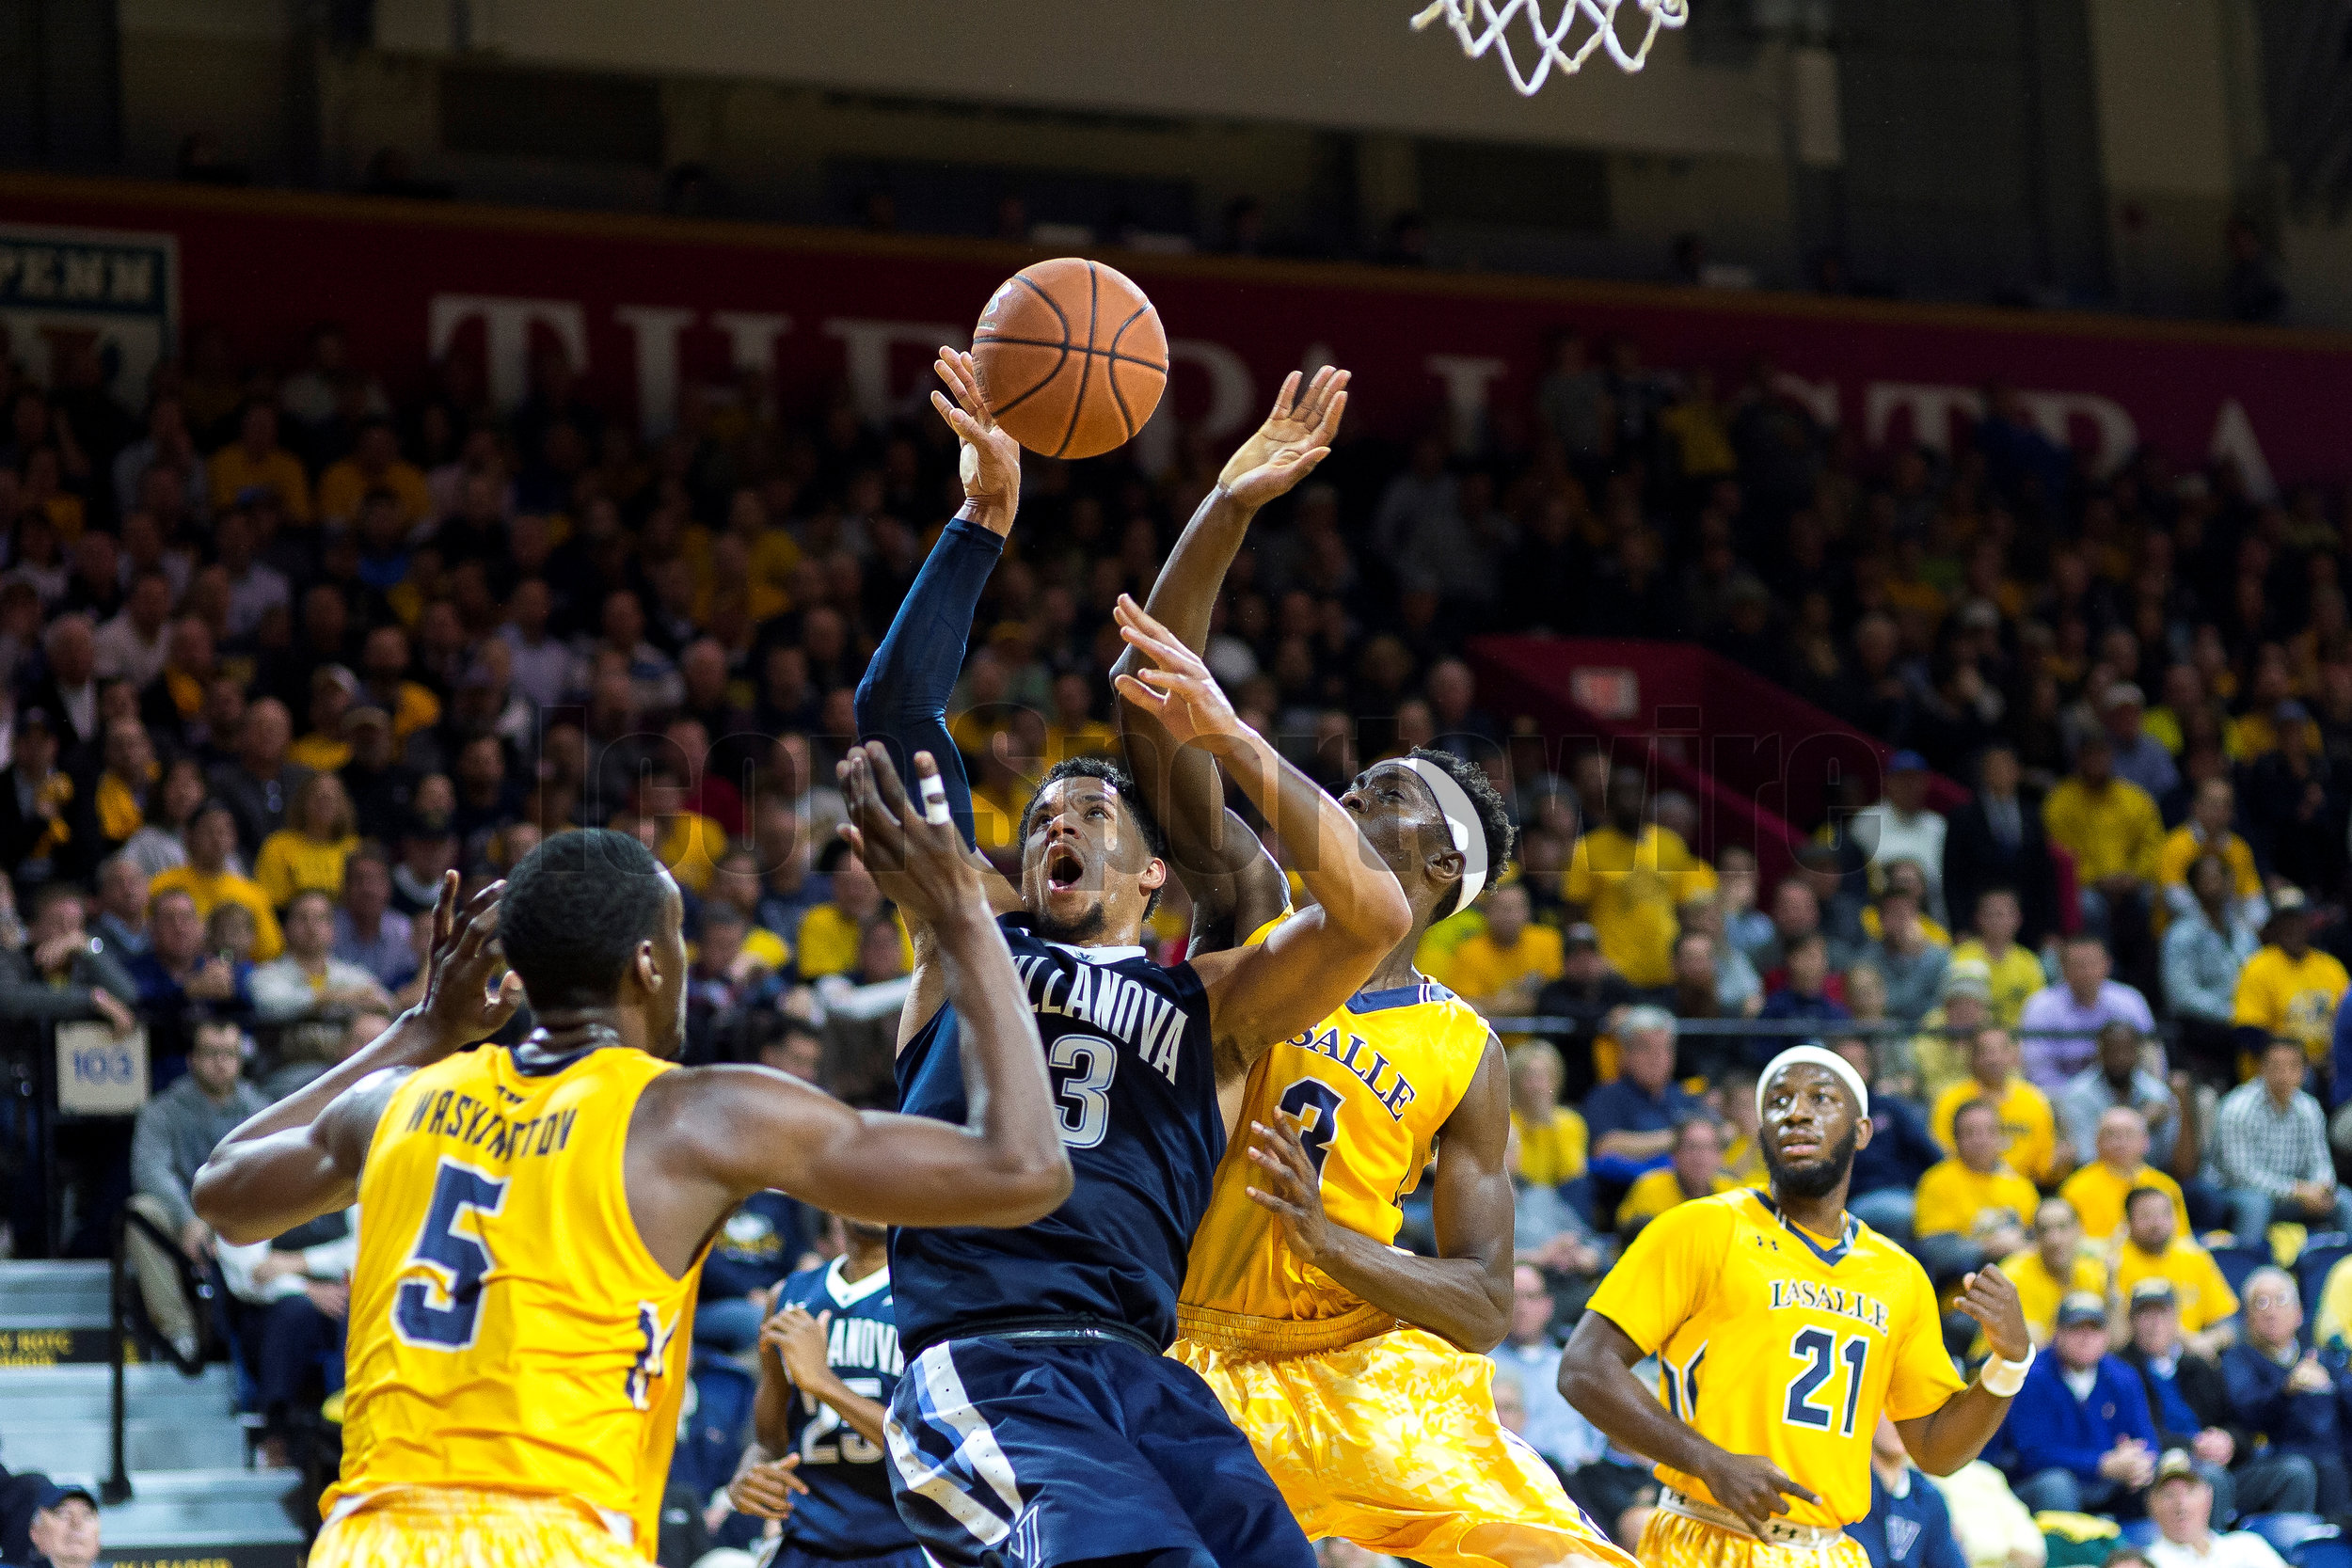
902 700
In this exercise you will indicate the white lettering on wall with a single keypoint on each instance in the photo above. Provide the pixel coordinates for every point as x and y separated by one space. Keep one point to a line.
507 325
867 347
656 328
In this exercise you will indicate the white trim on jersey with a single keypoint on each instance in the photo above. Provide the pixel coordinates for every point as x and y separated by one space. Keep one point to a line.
944 1401
849 1293
1098 954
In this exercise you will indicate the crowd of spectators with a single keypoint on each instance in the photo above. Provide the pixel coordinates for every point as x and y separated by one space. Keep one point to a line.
280 650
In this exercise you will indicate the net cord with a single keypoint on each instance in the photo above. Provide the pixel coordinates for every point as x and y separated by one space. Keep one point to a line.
1493 21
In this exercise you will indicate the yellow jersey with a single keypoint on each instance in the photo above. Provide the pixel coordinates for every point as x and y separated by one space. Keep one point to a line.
1655 1192
2098 1194
2199 1289
2017 974
1373 1082
508 1328
1554 1151
2026 1120
2039 1290
2294 997
1954 1200
1630 889
1770 1342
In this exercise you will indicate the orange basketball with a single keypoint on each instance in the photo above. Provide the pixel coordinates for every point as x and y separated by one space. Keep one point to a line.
1072 358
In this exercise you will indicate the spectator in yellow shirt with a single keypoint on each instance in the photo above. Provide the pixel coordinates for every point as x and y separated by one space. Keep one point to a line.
2288 987
2206 831
1940 1051
375 464
1697 1171
2112 829
1628 878
832 934
212 837
2053 1268
1500 969
306 855
2152 1248
1552 1137
2012 974
2098 1190
255 461
2027 1122
1971 1207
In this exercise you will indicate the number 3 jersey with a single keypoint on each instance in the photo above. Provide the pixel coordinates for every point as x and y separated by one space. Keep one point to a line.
847 1511
508 1328
1769 1340
1372 1083
1127 1048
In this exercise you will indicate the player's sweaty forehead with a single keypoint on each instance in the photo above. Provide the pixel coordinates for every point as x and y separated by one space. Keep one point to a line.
1412 799
1799 1081
1072 795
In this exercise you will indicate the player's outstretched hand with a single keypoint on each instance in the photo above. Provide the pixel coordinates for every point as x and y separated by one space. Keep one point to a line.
1299 425
919 864
990 463
1287 1183
1753 1487
459 1000
1179 692
765 1491
1990 1297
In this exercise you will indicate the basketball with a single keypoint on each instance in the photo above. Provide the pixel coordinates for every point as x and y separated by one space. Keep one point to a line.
1072 358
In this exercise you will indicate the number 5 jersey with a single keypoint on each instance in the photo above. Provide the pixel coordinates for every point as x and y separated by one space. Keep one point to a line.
508 1328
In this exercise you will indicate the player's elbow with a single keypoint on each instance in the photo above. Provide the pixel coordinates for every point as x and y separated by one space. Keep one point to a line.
214 1197
1487 1323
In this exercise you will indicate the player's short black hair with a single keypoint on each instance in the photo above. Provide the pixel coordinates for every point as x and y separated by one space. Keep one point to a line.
1494 817
1154 836
573 913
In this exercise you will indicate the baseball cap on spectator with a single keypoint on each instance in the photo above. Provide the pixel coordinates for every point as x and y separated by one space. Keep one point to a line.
2152 1293
366 713
60 1492
2123 695
1579 935
2174 1466
2288 900
1906 762
1966 977
2083 1307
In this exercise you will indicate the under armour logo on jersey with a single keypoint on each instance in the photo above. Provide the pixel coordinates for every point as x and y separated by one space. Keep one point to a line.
651 1354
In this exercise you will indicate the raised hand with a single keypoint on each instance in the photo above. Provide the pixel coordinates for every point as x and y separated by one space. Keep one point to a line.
1287 1183
1988 1296
1297 425
459 1001
990 463
920 865
1180 693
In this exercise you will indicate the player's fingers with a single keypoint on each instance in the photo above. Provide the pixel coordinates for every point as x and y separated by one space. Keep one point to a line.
1275 1205
444 908
886 781
1141 695
788 1471
1790 1486
1329 425
1286 395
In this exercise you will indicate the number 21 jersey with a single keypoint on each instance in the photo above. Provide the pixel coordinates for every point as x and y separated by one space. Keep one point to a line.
1770 1340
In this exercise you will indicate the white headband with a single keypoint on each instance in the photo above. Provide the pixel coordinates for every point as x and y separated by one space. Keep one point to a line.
1463 825
1813 1056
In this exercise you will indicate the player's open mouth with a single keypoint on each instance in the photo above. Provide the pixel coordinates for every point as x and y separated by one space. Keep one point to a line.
1064 868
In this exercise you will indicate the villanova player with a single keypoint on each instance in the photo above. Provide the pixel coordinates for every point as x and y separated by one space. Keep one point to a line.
1037 1422
1358 1370
829 1363
536 1215
1783 1328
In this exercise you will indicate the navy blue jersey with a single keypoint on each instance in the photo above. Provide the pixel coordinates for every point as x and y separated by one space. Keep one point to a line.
847 1511
1127 1046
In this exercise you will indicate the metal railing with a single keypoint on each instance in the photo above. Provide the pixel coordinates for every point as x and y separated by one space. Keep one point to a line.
193 1286
1806 1028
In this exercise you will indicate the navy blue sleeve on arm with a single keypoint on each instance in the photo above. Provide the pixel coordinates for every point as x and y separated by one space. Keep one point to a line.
902 700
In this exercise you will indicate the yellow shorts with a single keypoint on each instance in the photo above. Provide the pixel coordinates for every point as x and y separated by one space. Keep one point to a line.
1675 1541
1392 1443
460 1526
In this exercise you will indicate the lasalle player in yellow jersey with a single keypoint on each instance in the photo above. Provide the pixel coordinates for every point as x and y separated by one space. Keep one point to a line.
536 1216
1356 1370
1783 1328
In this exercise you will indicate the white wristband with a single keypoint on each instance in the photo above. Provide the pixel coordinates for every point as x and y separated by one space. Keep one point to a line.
2005 1377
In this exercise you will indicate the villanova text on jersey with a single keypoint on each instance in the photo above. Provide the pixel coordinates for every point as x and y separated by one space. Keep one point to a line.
847 1511
1127 1047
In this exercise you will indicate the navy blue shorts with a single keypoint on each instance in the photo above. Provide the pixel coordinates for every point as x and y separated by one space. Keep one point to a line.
1057 1449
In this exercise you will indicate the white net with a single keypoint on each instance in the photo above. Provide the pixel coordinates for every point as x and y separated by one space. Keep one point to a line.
1483 24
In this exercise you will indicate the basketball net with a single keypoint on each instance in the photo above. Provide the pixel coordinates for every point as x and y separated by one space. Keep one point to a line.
1493 20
